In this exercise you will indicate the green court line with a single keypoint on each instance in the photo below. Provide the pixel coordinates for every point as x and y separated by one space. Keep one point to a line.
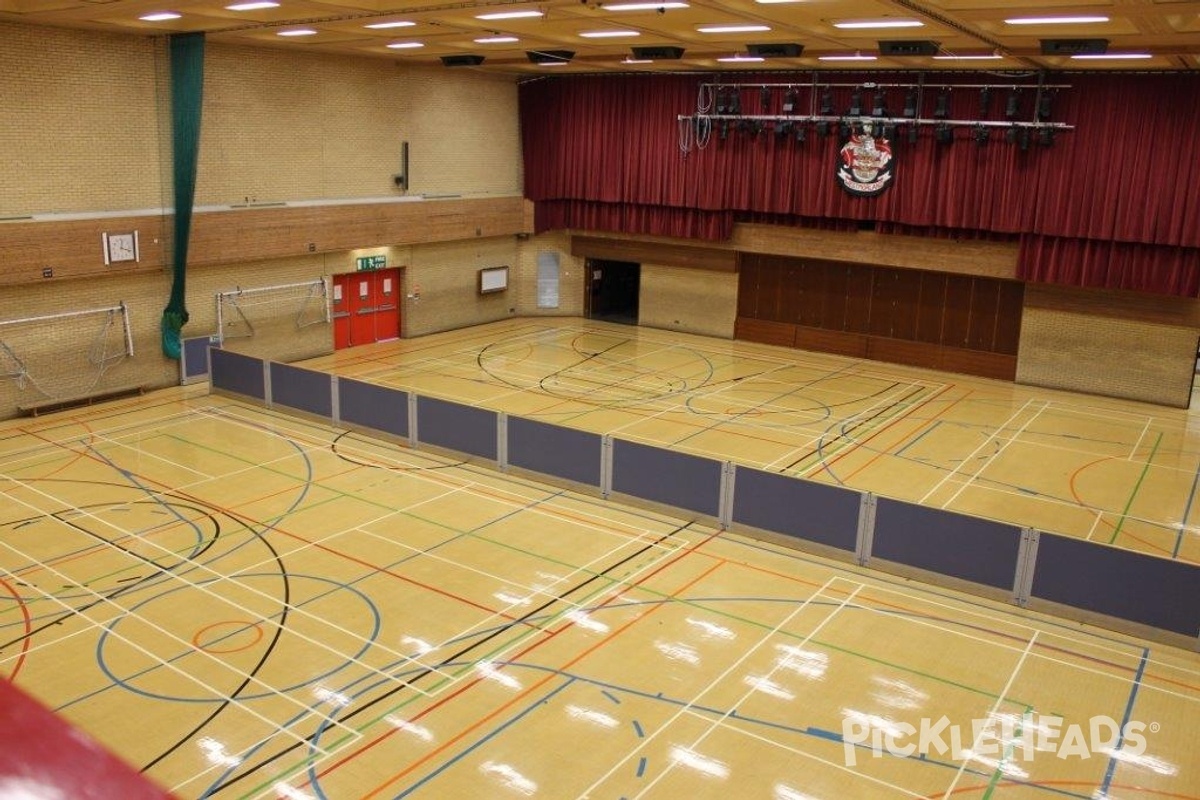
1136 487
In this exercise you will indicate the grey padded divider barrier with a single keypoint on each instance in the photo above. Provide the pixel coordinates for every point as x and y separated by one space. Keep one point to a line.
665 476
973 549
1119 583
815 512
302 389
379 408
457 427
237 373
551 450
193 359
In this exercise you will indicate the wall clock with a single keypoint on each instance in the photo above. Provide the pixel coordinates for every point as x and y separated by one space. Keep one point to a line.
120 247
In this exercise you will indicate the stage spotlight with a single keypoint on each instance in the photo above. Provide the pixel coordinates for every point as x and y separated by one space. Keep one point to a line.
856 104
1010 135
723 130
910 103
801 134
722 103
783 128
789 101
822 128
941 109
827 102
879 106
888 132
845 129
735 102
1044 103
764 97
944 134
1012 106
914 133
985 100
1046 137
982 134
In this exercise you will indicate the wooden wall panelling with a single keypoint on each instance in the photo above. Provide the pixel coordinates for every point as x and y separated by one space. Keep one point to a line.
883 301
973 362
896 351
765 332
815 300
1008 317
836 296
748 272
842 343
908 305
642 251
770 279
956 321
74 248
858 299
931 307
791 290
981 328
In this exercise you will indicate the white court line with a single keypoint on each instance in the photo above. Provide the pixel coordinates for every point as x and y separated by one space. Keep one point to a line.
725 673
991 714
1095 524
1141 436
993 458
211 690
750 692
973 453
758 737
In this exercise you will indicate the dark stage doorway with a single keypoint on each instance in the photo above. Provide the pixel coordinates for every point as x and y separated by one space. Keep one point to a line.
612 293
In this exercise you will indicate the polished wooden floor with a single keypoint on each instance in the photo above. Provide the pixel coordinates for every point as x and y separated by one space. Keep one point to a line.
247 604
1117 472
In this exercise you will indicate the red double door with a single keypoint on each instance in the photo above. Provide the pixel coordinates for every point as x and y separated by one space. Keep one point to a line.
366 307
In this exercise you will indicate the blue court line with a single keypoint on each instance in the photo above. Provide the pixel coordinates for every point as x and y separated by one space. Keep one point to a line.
936 424
1112 760
611 696
641 766
637 727
485 739
1187 509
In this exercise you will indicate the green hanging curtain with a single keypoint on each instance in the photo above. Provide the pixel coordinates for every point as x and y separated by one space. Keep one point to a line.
187 94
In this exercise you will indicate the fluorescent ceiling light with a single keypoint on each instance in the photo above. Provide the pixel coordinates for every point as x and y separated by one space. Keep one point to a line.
638 61
159 16
256 5
380 26
735 59
732 28
1053 20
871 24
510 14
643 6
298 32
976 57
552 63
607 34
404 45
497 40
1092 56
769 2
859 57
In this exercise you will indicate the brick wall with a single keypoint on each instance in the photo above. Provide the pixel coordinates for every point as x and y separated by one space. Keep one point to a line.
1127 358
571 276
690 300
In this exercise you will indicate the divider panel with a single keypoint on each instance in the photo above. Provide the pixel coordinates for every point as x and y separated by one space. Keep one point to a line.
552 450
664 476
237 373
457 427
302 389
193 359
951 544
815 512
379 408
1136 587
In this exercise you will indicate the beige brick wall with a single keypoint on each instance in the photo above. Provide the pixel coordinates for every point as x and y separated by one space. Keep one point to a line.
689 300
571 276
1107 356
448 276
79 120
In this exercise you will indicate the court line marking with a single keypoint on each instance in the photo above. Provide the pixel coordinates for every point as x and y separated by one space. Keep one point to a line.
991 715
1002 426
991 459
733 709
724 673
222 665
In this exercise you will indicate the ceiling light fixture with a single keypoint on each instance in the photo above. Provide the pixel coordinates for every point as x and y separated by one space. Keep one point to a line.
743 59
255 5
497 40
638 61
1094 56
1054 20
298 32
404 45
159 16
643 6
871 24
526 14
732 28
380 26
607 34
970 57
856 57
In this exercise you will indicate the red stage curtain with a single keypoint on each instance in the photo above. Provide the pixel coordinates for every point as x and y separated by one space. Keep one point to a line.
1110 265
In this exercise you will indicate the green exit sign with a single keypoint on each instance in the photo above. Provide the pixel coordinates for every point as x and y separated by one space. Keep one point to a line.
371 262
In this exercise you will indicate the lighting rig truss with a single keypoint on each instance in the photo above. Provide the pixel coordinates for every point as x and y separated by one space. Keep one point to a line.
725 108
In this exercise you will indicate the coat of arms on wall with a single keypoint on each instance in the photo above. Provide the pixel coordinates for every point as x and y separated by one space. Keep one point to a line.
865 163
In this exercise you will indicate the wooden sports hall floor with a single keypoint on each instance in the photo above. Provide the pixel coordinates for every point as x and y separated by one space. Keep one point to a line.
1117 472
248 604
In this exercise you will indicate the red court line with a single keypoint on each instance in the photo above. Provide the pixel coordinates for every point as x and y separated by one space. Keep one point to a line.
1080 784
928 422
26 622
520 654
1103 521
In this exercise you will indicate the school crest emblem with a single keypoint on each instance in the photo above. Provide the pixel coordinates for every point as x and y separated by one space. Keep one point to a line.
865 164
